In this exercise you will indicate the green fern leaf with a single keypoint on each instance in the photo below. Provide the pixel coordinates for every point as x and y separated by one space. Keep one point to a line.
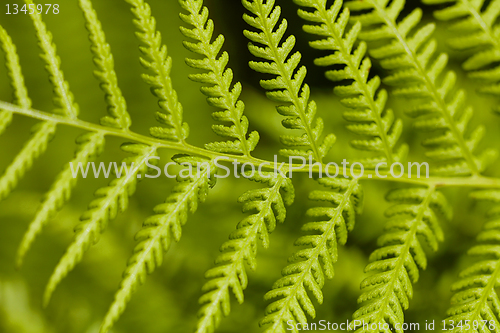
475 298
103 59
110 200
288 86
368 105
217 81
158 231
395 265
63 98
89 146
421 76
16 78
475 29
268 207
310 266
155 59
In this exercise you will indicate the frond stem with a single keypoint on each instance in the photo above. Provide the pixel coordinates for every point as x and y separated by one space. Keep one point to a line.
475 181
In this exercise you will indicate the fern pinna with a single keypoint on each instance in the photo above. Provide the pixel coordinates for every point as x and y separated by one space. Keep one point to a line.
375 59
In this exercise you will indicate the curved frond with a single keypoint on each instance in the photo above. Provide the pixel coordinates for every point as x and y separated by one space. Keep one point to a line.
288 85
310 266
475 297
156 60
105 73
89 145
110 200
267 206
422 76
217 81
395 265
158 231
362 96
478 30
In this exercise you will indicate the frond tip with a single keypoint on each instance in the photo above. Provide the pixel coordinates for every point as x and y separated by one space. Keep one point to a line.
310 266
267 206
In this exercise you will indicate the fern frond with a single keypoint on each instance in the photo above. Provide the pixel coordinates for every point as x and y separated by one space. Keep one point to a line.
475 297
105 73
477 30
288 85
310 266
158 231
267 206
16 78
110 200
363 95
217 81
63 98
422 77
156 60
89 146
395 265
42 133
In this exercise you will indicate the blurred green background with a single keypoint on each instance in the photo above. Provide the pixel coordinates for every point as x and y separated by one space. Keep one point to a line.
168 302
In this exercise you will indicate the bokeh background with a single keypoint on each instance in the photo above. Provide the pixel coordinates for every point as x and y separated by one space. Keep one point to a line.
168 302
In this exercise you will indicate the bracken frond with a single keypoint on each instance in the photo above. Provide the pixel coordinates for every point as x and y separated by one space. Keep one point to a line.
156 60
475 298
288 85
395 265
422 77
362 96
217 81
477 30
159 230
110 200
267 206
309 267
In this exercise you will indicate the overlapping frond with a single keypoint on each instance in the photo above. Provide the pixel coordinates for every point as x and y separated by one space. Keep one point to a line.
476 29
475 298
217 80
159 230
156 60
288 85
110 200
105 73
422 76
309 267
395 265
362 96
267 206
